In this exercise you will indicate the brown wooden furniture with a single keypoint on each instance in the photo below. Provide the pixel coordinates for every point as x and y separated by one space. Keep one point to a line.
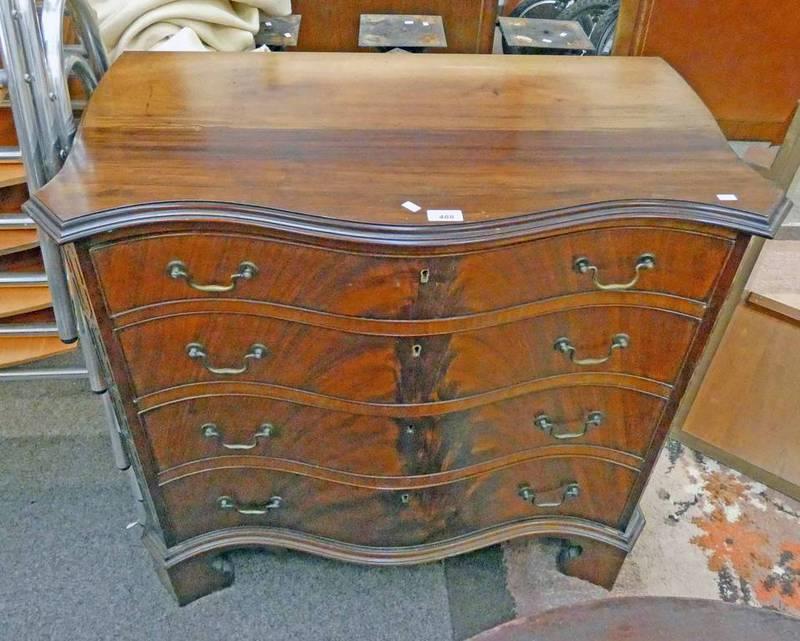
649 619
741 57
299 360
333 25
750 420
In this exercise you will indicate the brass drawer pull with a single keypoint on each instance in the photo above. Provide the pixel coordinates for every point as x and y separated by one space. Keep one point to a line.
568 492
228 503
197 352
548 426
211 432
177 270
644 262
565 346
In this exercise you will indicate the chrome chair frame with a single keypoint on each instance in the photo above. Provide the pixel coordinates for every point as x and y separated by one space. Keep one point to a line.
38 66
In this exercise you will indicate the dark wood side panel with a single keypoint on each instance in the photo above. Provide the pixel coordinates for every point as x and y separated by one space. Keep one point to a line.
692 357
751 90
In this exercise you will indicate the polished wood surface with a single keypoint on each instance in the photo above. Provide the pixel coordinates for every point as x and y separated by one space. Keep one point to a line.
333 25
513 142
649 619
739 57
367 285
405 363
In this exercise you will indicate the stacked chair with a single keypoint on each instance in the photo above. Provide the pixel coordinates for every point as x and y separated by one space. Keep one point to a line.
39 70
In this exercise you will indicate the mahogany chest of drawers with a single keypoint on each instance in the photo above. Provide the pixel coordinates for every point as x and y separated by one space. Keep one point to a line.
393 308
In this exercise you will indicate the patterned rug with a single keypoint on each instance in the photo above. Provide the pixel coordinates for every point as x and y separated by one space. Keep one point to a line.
711 533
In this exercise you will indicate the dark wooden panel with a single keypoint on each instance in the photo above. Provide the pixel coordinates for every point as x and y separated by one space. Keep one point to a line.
333 25
728 52
398 517
400 445
134 273
385 369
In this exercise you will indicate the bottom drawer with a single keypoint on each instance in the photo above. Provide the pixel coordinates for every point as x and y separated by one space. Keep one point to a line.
240 496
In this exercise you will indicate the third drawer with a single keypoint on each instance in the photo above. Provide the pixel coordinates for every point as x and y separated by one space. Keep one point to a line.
209 427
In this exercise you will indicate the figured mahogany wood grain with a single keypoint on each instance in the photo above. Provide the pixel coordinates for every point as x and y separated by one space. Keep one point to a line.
395 518
350 137
333 25
134 273
400 445
383 369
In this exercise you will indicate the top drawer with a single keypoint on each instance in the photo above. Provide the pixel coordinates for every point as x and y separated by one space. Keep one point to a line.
178 266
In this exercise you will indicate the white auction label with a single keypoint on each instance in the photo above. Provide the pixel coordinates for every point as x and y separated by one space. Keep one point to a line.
445 215
727 197
412 207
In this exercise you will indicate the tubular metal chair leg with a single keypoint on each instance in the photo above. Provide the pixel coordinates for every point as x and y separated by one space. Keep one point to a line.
59 289
120 456
96 380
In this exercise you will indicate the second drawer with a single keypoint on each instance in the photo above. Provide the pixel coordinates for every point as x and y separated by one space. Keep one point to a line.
195 348
213 426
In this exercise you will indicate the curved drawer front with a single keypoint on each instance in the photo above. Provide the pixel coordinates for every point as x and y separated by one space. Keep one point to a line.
192 348
171 267
392 518
393 446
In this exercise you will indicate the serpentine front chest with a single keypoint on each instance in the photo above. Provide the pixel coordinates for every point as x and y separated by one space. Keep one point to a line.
388 309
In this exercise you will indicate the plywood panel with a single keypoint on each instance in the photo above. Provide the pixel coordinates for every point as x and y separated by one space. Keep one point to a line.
17 240
748 407
19 300
20 350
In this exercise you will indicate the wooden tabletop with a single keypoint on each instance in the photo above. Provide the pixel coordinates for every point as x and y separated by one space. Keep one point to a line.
649 619
351 137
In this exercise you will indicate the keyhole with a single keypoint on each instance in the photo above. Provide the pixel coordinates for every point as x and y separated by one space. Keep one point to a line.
416 351
405 498
410 429
424 276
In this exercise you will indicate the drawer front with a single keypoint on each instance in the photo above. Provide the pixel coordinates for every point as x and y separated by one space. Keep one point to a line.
391 518
193 348
214 426
157 269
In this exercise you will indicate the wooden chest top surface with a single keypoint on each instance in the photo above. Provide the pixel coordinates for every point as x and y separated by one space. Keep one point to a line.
348 138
